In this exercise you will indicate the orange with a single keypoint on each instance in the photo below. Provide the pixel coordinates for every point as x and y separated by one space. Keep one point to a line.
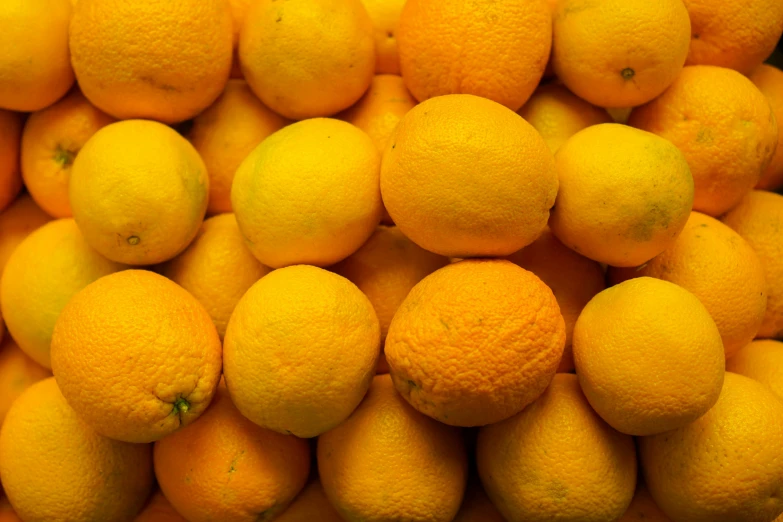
136 356
226 133
146 59
308 194
217 268
385 269
226 468
238 11
35 65
573 278
557 114
55 467
557 460
649 356
310 505
381 108
723 125
139 192
763 361
496 50
298 66
300 350
475 342
10 175
769 80
720 268
16 222
17 373
724 467
733 34
759 220
385 15
389 462
43 273
476 506
7 513
464 176
624 194
52 138
643 508
159 509
619 53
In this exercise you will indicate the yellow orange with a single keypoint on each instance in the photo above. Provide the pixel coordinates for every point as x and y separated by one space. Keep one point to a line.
477 507
385 15
643 508
761 360
769 80
10 139
159 509
16 222
17 373
311 504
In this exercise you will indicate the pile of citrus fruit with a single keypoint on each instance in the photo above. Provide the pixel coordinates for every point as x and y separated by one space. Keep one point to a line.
391 261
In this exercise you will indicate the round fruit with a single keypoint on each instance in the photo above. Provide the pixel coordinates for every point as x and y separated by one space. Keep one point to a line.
725 466
769 80
308 194
297 68
138 192
164 61
159 509
476 506
643 508
389 462
265 469
475 342
763 361
723 125
7 513
300 350
496 50
136 356
385 15
463 176
310 505
17 373
649 356
624 195
10 138
620 53
55 467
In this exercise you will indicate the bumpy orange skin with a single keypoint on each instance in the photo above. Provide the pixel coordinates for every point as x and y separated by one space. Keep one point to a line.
584 470
10 139
300 350
17 373
55 467
725 466
620 205
136 356
714 263
475 342
159 509
769 80
226 468
496 50
389 462
477 507
35 64
146 59
643 508
649 356
311 504
761 360
619 53
298 68
385 15
723 125
759 220
463 176
733 34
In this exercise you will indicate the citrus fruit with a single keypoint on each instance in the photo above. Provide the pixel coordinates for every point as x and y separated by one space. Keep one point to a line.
761 360
159 509
311 504
769 80
10 175
7 513
385 16
643 508
17 373
477 507
16 222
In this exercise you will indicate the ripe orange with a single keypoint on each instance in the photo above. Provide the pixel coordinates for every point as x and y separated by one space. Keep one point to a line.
55 467
620 53
389 462
226 133
496 50
475 342
759 220
643 508
769 80
624 195
760 360
557 460
138 192
476 506
300 350
35 65
573 278
464 176
733 34
51 140
159 509
310 505
164 61
649 356
7 513
557 114
238 12
385 15
723 125
725 466
226 468
217 268
136 356
720 268
10 138
308 194
17 373
297 68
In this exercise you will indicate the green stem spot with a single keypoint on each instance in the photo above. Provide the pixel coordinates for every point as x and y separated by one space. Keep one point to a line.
134 240
181 406
628 73
63 157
